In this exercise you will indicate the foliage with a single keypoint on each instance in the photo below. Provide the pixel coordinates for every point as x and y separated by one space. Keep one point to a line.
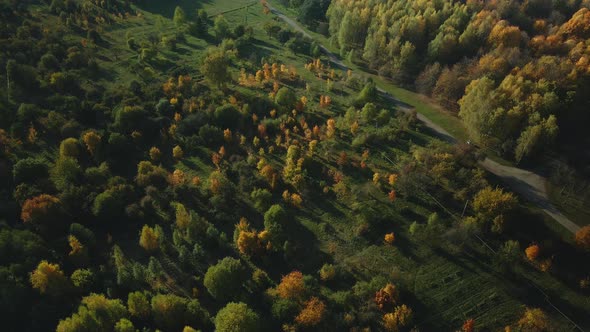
292 286
215 67
48 278
237 317
224 279
534 319
96 313
312 313
148 239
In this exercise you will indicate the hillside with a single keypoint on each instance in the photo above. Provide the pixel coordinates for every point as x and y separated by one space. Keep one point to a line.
199 165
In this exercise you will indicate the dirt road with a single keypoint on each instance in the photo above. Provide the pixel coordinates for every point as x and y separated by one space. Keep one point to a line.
526 183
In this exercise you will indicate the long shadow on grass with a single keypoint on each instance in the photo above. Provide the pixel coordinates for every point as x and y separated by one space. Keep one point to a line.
166 8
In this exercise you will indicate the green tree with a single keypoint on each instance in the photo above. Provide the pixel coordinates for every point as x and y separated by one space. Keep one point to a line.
172 312
199 26
533 138
274 219
237 317
69 147
221 27
215 67
285 98
228 116
96 313
179 16
478 109
29 170
224 279
367 94
138 305
83 279
124 325
66 173
262 199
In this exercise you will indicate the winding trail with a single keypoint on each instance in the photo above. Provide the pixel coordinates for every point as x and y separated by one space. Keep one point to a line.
529 185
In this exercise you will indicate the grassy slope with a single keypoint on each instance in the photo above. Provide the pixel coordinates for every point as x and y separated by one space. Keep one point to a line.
445 285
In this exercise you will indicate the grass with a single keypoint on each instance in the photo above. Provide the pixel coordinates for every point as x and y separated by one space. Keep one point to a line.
576 209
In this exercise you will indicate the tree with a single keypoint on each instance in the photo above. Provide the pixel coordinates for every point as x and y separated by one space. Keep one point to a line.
224 279
139 305
111 202
478 108
286 98
150 175
491 205
367 94
215 67
148 239
199 27
389 238
177 152
312 314
65 173
38 209
237 317
48 278
468 325
172 312
327 272
96 313
69 147
387 297
534 320
262 199
29 170
583 237
292 286
83 279
400 317
92 140
124 325
532 252
155 154
228 116
179 17
274 219
221 27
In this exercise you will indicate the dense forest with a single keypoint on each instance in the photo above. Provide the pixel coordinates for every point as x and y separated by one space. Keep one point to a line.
198 165
517 72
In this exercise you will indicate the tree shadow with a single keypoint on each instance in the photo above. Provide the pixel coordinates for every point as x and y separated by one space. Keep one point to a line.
166 8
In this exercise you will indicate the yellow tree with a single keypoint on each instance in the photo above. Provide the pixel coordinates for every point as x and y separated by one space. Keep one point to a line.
155 154
292 286
389 238
387 297
92 140
177 152
148 239
48 278
312 314
532 252
534 320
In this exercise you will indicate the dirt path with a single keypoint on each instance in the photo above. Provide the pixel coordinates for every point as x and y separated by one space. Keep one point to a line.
528 184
